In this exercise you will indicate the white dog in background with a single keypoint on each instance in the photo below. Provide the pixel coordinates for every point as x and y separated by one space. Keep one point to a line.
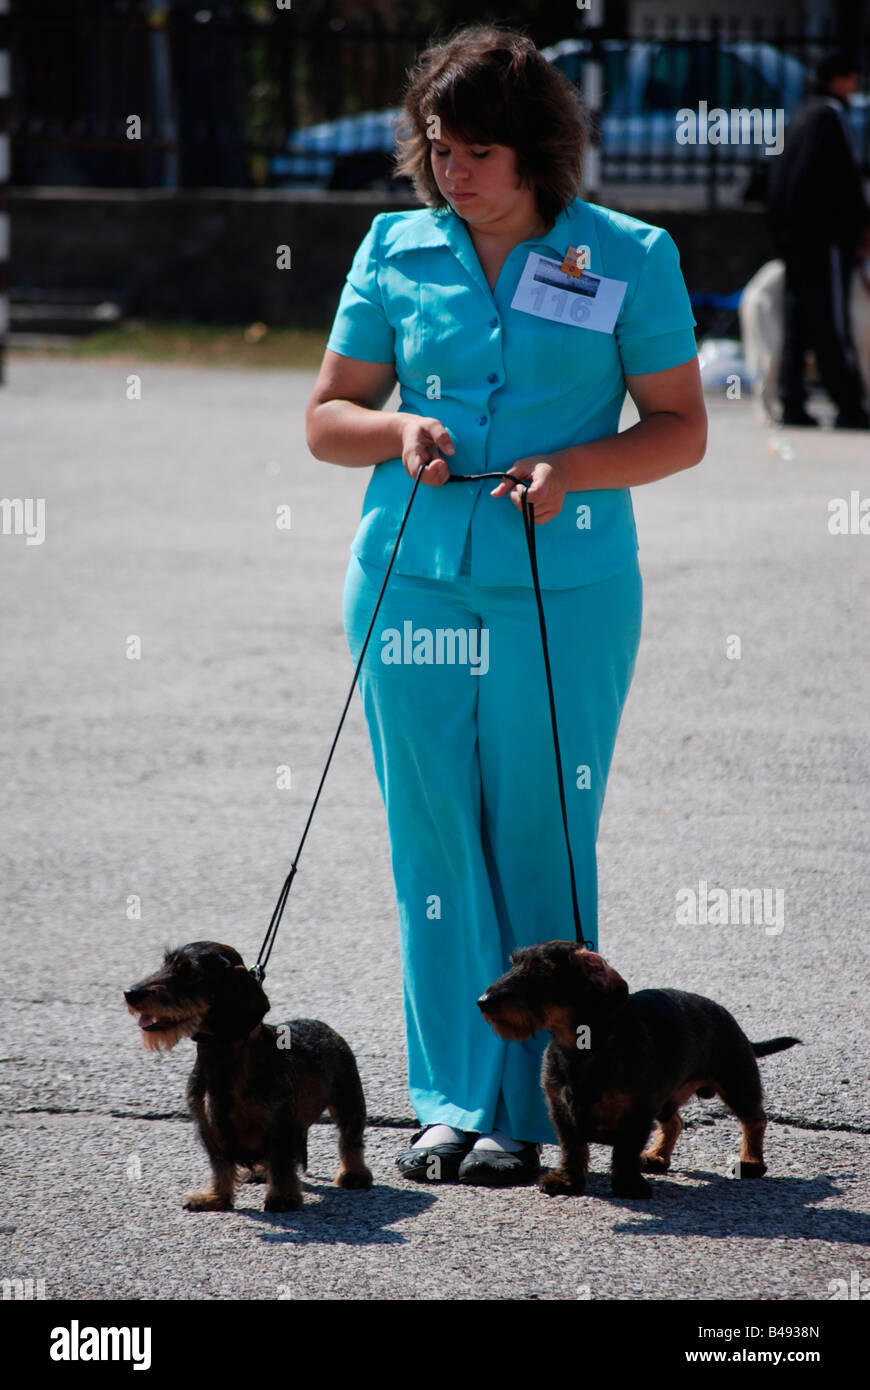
761 320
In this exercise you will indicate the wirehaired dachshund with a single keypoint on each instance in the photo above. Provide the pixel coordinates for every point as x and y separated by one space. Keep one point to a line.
618 1062
255 1089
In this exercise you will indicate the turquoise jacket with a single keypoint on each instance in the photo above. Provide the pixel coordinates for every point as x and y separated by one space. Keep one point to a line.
506 384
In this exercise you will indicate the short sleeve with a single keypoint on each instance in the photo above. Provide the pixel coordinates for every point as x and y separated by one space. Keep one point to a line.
360 327
654 330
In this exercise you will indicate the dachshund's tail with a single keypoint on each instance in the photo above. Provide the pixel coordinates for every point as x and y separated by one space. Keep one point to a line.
762 1049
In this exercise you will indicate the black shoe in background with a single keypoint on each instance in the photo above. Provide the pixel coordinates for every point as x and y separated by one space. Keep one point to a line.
852 420
798 417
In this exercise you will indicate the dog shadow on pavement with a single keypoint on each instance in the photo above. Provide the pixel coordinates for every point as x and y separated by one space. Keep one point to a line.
332 1217
725 1207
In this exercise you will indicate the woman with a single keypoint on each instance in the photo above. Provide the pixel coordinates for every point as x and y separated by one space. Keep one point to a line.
500 368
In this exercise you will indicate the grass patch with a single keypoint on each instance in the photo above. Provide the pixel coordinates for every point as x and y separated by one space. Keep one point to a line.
200 345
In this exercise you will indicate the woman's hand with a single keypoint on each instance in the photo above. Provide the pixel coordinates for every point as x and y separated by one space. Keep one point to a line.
424 440
547 490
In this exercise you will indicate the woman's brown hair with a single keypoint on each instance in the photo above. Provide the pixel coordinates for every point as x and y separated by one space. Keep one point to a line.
490 86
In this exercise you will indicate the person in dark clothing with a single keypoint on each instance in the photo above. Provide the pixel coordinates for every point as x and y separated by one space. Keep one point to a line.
819 219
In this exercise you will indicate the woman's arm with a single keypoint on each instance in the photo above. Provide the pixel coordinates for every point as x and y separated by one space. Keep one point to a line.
344 422
670 435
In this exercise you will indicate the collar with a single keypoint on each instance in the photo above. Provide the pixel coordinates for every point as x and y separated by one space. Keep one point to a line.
439 227
227 1037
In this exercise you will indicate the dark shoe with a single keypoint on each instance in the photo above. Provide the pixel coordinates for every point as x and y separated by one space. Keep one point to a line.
440 1163
498 1168
798 417
852 420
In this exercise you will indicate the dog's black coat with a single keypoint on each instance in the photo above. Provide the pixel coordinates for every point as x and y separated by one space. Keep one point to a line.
256 1088
642 1058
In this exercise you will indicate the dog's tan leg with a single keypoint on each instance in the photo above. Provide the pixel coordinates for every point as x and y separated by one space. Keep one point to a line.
220 1198
569 1179
752 1164
353 1172
283 1196
742 1094
626 1179
283 1188
657 1158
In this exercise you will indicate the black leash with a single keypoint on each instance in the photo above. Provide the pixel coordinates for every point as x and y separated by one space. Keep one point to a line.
259 970
529 526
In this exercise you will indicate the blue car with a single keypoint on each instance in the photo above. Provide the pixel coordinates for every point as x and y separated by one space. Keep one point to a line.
645 84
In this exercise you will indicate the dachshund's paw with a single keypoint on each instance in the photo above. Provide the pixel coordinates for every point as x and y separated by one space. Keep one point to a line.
354 1178
742 1169
559 1184
654 1163
282 1201
207 1201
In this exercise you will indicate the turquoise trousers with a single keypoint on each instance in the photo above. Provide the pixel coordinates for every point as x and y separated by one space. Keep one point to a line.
455 697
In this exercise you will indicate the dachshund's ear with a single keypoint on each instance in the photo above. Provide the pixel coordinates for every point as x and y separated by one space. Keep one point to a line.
238 1005
602 977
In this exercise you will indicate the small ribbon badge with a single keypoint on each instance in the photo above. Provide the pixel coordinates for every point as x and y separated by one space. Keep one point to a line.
576 260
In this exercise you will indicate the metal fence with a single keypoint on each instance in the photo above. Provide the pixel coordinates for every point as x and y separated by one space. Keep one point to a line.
149 93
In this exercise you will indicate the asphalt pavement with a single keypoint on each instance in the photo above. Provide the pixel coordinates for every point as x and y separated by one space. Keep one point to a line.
167 648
